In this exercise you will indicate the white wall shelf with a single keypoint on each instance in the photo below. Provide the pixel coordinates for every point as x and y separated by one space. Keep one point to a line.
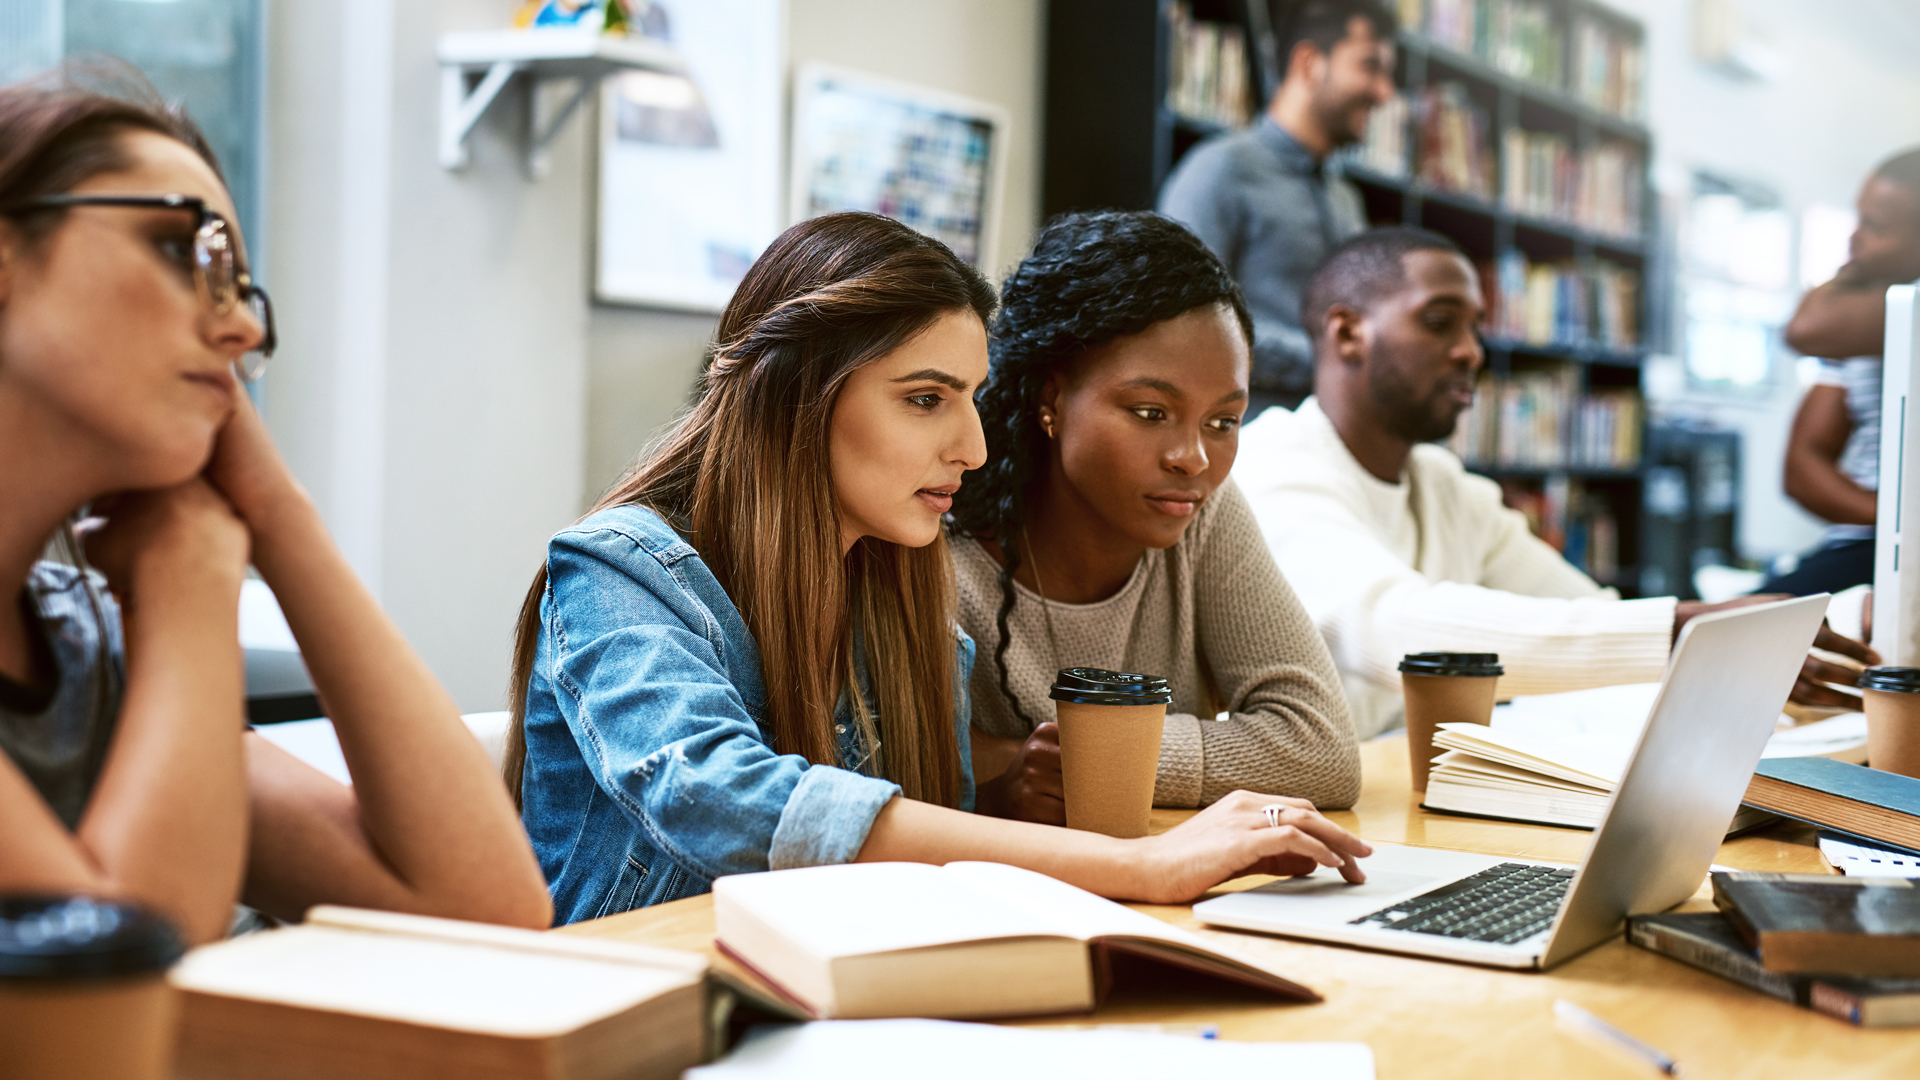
476 66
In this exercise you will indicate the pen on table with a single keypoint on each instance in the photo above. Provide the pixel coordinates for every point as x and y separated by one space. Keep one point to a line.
1574 1016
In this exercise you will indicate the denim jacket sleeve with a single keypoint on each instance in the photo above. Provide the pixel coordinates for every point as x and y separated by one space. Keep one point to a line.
659 683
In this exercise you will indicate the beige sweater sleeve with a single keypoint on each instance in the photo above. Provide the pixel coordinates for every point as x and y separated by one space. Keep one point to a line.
1288 732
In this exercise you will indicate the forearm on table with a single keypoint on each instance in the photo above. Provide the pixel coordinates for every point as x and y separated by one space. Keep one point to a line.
167 822
426 795
909 831
1277 750
1546 645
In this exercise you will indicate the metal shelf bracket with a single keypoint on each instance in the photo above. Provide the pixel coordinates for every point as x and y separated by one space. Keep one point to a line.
476 67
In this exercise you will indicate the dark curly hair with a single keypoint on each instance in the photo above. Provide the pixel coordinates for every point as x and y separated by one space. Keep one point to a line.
1092 277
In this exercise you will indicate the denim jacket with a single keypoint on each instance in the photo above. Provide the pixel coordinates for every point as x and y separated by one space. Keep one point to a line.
650 768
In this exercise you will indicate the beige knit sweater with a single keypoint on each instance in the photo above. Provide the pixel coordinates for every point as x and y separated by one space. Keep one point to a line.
1213 615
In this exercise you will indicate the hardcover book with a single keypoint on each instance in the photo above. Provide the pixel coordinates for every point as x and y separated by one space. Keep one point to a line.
368 995
1868 803
1825 922
964 940
1706 940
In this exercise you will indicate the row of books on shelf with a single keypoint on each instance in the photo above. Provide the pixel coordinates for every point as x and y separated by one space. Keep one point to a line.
1542 420
1604 68
1578 523
1599 188
1208 77
1562 303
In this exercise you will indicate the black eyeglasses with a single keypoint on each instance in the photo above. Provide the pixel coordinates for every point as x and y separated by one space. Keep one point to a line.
216 262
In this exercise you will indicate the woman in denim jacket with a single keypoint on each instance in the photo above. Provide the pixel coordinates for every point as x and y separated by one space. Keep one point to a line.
746 656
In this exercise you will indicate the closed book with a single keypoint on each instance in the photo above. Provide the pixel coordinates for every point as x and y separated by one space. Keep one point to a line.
1866 1002
1868 803
365 995
964 940
1708 941
1825 922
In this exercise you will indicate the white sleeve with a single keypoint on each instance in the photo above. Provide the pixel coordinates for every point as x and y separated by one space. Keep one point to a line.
1374 608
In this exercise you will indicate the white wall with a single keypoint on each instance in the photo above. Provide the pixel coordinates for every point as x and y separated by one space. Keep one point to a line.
1849 95
431 392
444 387
642 363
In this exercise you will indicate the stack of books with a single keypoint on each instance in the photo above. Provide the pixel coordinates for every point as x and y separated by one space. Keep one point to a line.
1455 151
1541 420
1208 78
1556 758
1565 303
1517 37
1608 68
1848 947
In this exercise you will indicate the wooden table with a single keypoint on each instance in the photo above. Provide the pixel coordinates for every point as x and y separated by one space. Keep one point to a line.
1428 1018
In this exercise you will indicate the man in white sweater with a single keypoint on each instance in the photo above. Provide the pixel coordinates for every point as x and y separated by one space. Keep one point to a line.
1390 543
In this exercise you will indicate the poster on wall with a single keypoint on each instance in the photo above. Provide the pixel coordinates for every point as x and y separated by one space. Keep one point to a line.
689 189
927 159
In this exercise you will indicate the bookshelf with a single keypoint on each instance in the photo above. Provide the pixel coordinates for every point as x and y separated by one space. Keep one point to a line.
1516 133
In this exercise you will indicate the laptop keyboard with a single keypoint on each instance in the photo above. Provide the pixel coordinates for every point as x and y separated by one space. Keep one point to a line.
1506 903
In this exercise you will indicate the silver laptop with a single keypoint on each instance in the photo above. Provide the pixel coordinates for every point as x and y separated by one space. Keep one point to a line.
1725 682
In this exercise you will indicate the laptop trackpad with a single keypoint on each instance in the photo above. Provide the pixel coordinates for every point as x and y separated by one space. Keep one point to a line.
1325 895
1394 873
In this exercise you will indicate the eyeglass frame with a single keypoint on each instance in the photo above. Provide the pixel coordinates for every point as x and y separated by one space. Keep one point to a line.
244 288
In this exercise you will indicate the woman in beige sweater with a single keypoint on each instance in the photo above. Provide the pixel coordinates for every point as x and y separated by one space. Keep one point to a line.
1104 532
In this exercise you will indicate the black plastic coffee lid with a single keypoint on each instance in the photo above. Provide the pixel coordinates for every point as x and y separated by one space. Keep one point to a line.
1472 665
1896 680
79 937
1098 686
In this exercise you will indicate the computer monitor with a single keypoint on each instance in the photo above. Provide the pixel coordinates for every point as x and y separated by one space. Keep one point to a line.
1896 572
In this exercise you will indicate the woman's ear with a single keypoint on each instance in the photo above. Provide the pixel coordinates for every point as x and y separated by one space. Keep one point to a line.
1049 405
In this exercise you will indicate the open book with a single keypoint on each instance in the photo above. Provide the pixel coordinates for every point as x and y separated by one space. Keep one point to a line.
365 995
1556 758
872 940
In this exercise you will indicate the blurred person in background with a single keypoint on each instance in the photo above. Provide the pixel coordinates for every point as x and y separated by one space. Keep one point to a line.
1833 453
1262 198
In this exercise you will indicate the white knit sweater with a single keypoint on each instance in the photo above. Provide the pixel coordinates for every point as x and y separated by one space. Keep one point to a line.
1434 562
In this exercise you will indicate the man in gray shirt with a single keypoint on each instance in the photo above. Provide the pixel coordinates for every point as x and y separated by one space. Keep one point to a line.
1262 198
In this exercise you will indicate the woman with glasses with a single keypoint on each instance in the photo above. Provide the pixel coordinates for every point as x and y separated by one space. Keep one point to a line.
126 312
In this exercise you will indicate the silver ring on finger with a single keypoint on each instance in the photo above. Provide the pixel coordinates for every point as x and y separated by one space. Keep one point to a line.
1272 812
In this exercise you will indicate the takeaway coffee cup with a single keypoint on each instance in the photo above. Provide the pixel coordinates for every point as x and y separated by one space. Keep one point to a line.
1110 724
1893 718
83 990
1444 688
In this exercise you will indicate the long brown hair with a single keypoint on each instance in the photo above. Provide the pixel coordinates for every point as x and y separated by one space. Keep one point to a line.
746 476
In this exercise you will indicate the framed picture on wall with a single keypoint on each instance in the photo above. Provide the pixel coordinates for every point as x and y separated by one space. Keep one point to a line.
925 158
689 169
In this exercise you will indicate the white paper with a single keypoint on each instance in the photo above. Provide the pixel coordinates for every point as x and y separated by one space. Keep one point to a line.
944 1050
1858 860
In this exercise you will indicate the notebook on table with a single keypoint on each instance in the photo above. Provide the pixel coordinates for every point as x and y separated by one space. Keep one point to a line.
1726 679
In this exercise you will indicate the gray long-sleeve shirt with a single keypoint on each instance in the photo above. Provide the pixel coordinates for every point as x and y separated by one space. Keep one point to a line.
1272 213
